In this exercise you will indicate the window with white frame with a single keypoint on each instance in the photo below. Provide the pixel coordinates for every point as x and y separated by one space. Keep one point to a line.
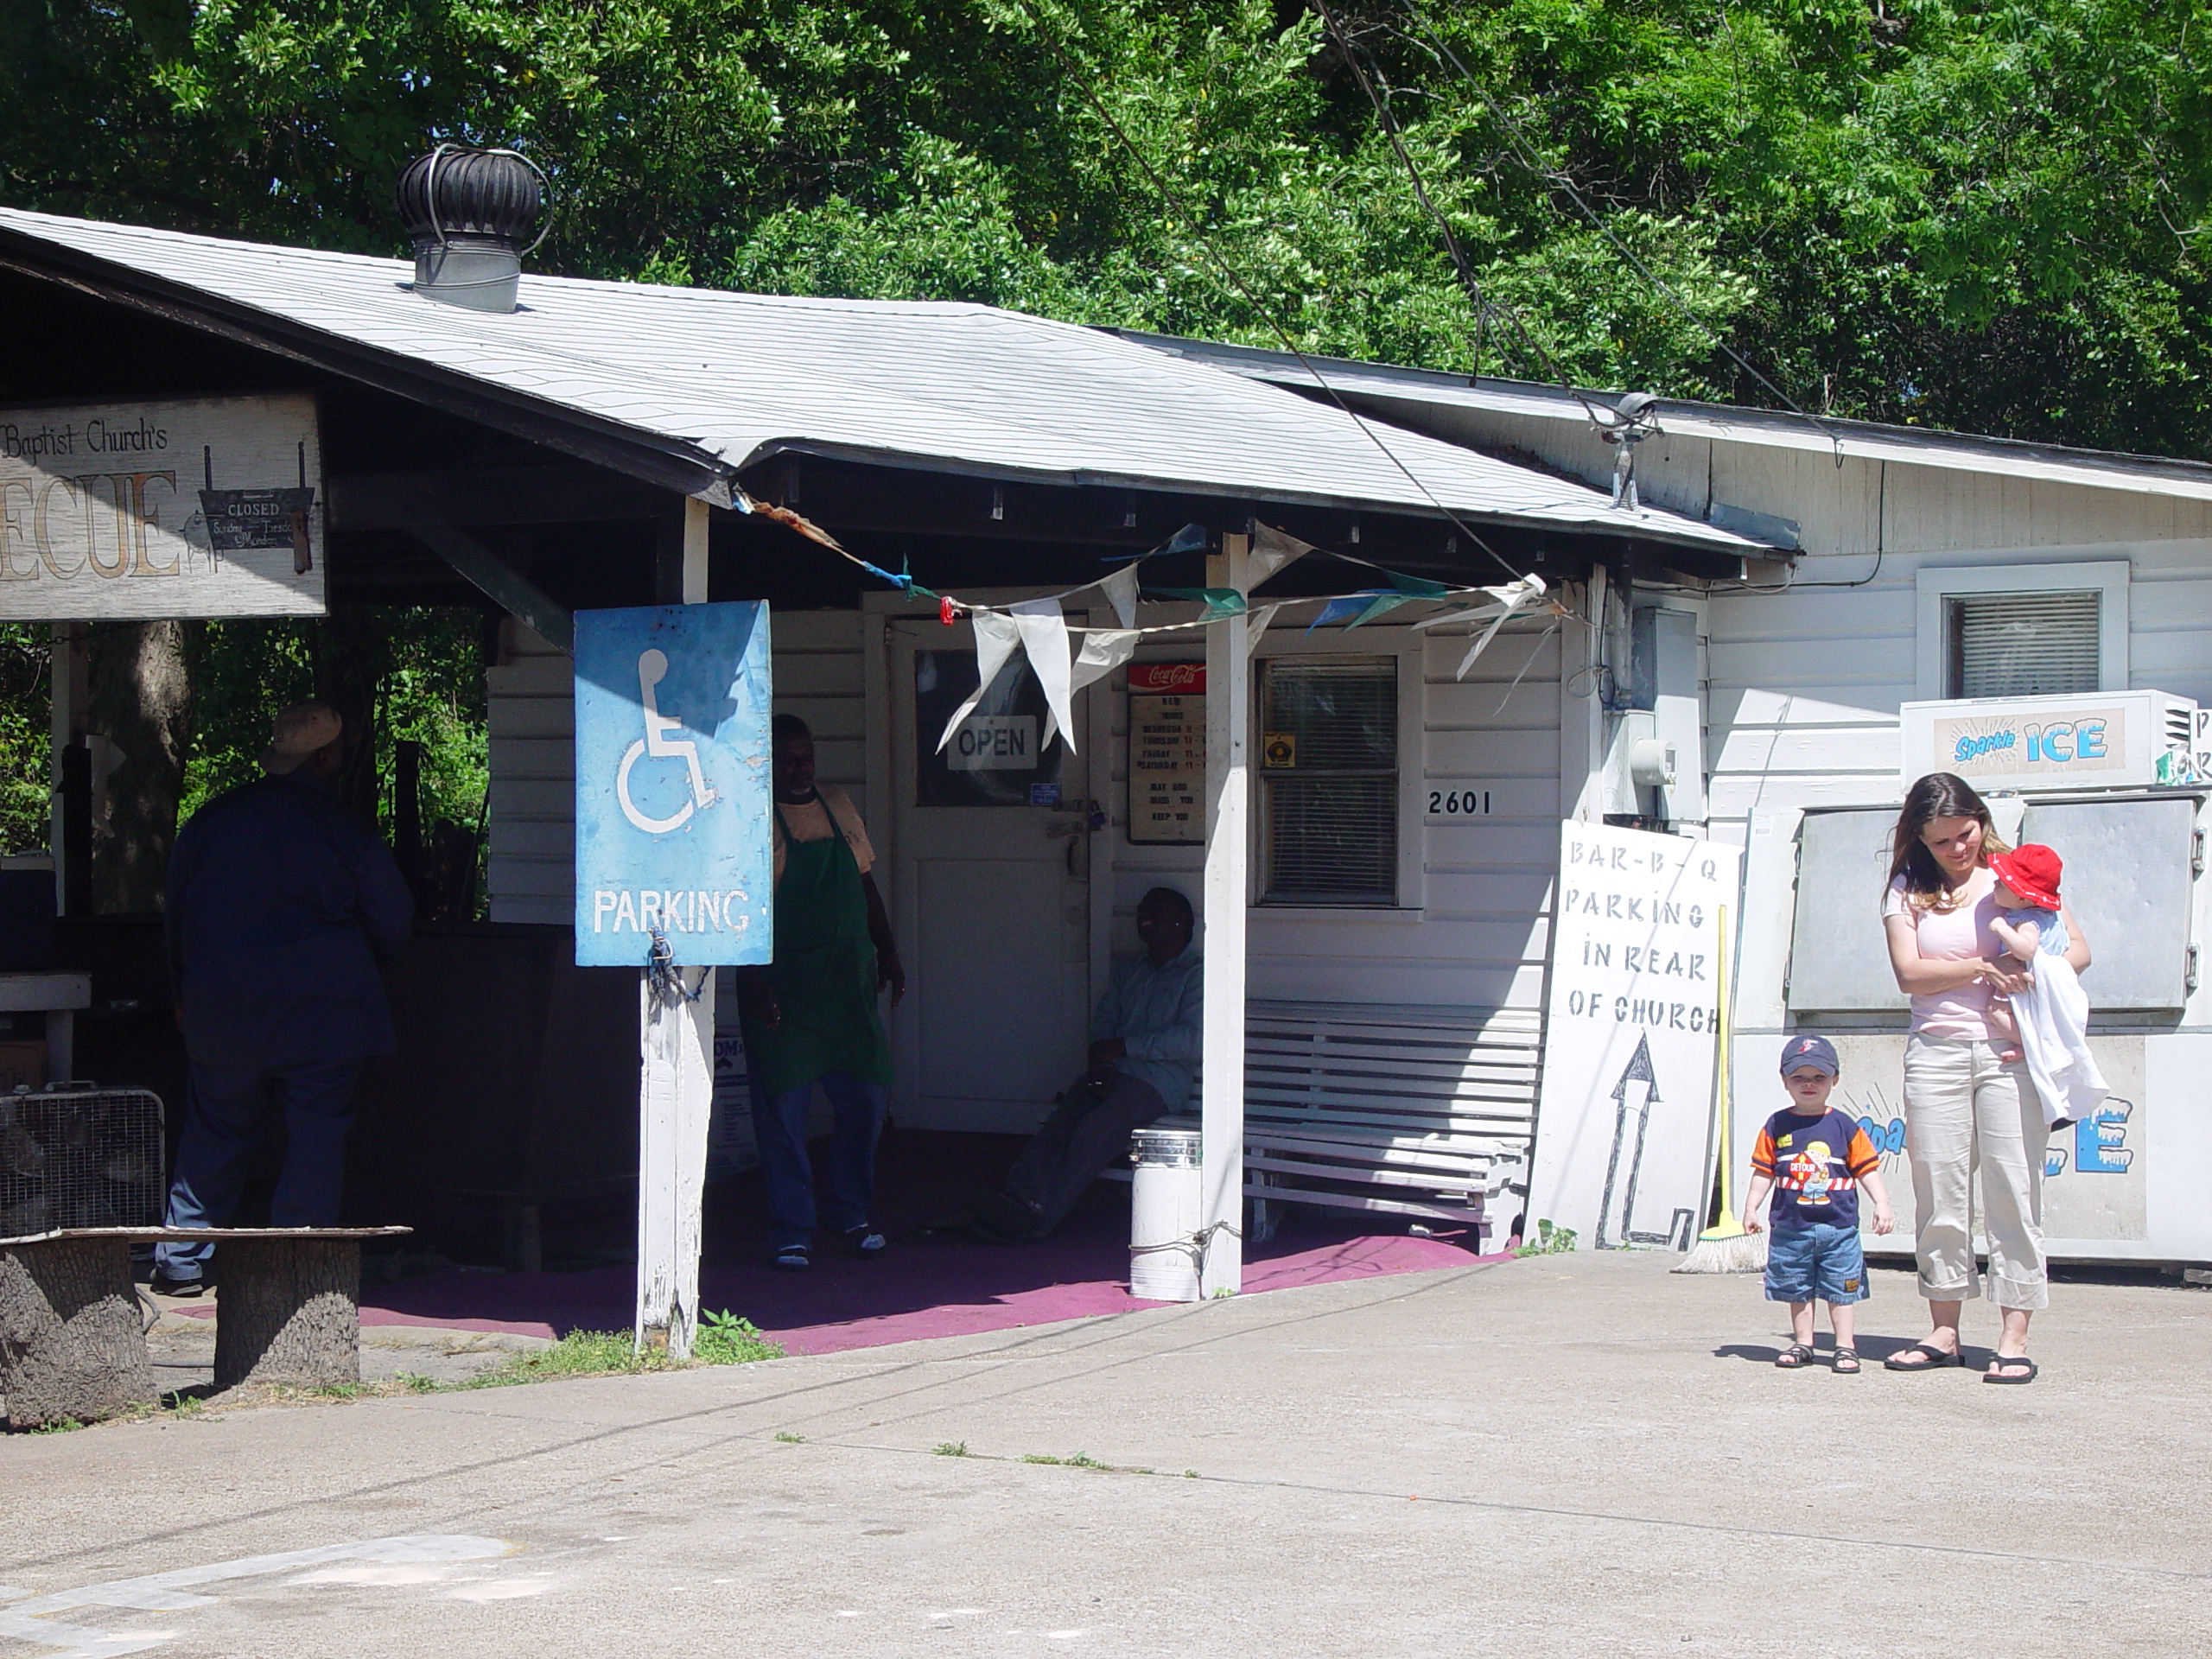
2023 630
1329 806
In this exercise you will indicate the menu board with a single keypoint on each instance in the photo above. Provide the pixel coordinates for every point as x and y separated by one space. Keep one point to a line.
1168 754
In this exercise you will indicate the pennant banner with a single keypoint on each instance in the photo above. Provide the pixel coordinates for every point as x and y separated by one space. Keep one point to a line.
996 637
1045 637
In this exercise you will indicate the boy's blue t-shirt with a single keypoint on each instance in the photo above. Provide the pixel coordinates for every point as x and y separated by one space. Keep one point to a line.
1816 1164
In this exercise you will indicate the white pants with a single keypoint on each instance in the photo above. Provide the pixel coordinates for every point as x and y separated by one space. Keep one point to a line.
1966 1113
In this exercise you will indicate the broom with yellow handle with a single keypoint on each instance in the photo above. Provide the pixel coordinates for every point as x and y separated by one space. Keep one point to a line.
1725 1247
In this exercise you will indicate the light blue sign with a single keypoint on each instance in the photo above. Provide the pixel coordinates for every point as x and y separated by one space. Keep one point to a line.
672 780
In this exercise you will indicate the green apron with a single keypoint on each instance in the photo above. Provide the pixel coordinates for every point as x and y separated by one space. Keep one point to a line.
823 973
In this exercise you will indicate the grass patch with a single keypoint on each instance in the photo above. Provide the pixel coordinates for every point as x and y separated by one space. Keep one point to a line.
726 1339
952 1448
67 1424
723 1339
1080 1460
790 1439
1549 1241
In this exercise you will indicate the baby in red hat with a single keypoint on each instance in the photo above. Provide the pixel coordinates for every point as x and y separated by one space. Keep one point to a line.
2048 1023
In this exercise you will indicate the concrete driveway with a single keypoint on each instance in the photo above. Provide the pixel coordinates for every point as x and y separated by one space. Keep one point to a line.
1557 1456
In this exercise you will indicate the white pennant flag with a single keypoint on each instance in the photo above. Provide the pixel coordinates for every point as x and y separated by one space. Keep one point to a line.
1045 637
1260 619
1104 650
1120 589
994 641
1272 549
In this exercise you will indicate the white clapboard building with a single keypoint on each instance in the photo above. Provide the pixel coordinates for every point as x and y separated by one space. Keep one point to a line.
1371 836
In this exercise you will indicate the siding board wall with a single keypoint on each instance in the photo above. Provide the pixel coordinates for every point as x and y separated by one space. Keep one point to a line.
1806 684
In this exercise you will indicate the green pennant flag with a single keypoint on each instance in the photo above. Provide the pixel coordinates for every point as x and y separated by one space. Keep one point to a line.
1219 601
1417 586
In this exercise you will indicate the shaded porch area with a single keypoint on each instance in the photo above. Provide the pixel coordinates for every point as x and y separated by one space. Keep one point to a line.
938 1279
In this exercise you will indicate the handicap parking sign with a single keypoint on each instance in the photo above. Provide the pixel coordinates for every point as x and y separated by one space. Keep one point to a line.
672 784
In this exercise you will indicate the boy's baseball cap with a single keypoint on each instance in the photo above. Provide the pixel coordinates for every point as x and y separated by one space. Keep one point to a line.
1816 1052
2033 872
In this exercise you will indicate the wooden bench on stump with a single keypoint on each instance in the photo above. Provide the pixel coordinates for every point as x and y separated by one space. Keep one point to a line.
1416 1111
72 1346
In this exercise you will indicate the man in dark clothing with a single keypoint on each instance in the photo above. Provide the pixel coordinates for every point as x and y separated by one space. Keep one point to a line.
1144 1053
281 906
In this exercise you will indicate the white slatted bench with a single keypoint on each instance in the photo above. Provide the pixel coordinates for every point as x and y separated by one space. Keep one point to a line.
1416 1111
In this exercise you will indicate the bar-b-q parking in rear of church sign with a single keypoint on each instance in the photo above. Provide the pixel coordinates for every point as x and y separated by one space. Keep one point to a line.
1623 1125
206 507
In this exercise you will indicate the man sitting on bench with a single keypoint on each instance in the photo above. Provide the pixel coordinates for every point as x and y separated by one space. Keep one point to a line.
1144 1049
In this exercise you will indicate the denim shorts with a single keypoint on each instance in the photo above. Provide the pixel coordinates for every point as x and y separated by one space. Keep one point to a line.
1816 1263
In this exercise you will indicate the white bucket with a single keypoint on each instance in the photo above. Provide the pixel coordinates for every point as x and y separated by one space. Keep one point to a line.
1165 1206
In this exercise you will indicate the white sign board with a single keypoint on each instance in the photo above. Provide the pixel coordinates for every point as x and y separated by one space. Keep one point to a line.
204 508
1623 1120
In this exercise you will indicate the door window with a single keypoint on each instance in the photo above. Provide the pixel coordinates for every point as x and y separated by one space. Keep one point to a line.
998 756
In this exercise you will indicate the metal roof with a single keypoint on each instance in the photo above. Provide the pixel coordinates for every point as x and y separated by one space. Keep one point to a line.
718 381
1869 440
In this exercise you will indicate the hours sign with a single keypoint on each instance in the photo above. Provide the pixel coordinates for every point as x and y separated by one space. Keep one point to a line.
203 508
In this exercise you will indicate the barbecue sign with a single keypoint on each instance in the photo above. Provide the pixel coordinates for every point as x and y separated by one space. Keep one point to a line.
203 508
1623 1120
672 814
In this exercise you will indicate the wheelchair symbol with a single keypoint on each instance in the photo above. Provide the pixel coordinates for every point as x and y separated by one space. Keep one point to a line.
652 668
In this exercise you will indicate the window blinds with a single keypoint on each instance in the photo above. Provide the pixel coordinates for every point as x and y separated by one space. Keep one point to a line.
2023 645
1329 780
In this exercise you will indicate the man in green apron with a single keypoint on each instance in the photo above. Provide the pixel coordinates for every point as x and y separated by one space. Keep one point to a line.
811 1016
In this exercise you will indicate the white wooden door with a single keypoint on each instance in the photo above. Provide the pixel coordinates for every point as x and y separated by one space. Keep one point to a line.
992 854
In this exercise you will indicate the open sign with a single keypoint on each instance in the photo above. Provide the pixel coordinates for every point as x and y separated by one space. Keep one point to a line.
994 743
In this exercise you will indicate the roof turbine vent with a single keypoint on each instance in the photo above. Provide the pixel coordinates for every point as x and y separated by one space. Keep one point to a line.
469 213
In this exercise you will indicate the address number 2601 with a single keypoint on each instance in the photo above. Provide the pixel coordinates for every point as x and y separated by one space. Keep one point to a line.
1458 803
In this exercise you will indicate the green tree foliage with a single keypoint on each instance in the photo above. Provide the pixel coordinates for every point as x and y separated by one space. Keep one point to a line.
25 775
1983 214
431 690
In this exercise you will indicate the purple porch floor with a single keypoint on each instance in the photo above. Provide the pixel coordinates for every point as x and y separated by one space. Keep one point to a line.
935 1280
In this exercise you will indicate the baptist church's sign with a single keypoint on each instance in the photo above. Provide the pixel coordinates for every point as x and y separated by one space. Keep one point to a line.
208 507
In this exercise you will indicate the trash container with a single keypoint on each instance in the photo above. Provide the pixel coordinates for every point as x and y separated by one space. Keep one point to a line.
1165 1211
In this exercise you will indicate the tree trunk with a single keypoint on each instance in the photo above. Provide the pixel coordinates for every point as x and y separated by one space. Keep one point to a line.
141 701
352 653
72 1344
289 1312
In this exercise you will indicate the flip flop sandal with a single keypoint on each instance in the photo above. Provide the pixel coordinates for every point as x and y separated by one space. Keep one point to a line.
1937 1360
1846 1362
1995 1374
1795 1358
792 1258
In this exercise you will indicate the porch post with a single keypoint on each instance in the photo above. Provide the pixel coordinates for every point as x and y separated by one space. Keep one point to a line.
1228 670
675 1085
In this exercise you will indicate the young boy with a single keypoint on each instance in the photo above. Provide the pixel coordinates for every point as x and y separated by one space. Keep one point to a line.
1815 1161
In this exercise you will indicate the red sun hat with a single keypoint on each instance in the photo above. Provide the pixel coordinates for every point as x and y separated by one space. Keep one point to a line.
2030 871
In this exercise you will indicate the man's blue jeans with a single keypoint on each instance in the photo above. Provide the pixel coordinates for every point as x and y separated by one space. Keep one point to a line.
779 1130
225 1109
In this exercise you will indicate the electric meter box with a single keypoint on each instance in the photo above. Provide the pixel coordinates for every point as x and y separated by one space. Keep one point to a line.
2087 741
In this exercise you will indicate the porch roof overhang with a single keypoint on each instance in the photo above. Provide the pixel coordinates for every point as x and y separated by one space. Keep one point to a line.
685 389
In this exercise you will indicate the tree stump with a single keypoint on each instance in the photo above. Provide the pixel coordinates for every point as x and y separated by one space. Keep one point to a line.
288 1311
72 1343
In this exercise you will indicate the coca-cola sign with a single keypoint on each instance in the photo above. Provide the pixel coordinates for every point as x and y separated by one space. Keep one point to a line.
1156 677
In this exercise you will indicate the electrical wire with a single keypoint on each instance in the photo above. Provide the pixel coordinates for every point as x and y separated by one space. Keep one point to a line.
1086 83
1523 152
1603 420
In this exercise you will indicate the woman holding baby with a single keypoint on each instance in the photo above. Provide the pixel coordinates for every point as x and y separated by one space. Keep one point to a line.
1969 1104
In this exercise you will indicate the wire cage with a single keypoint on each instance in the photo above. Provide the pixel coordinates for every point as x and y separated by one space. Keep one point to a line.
77 1156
